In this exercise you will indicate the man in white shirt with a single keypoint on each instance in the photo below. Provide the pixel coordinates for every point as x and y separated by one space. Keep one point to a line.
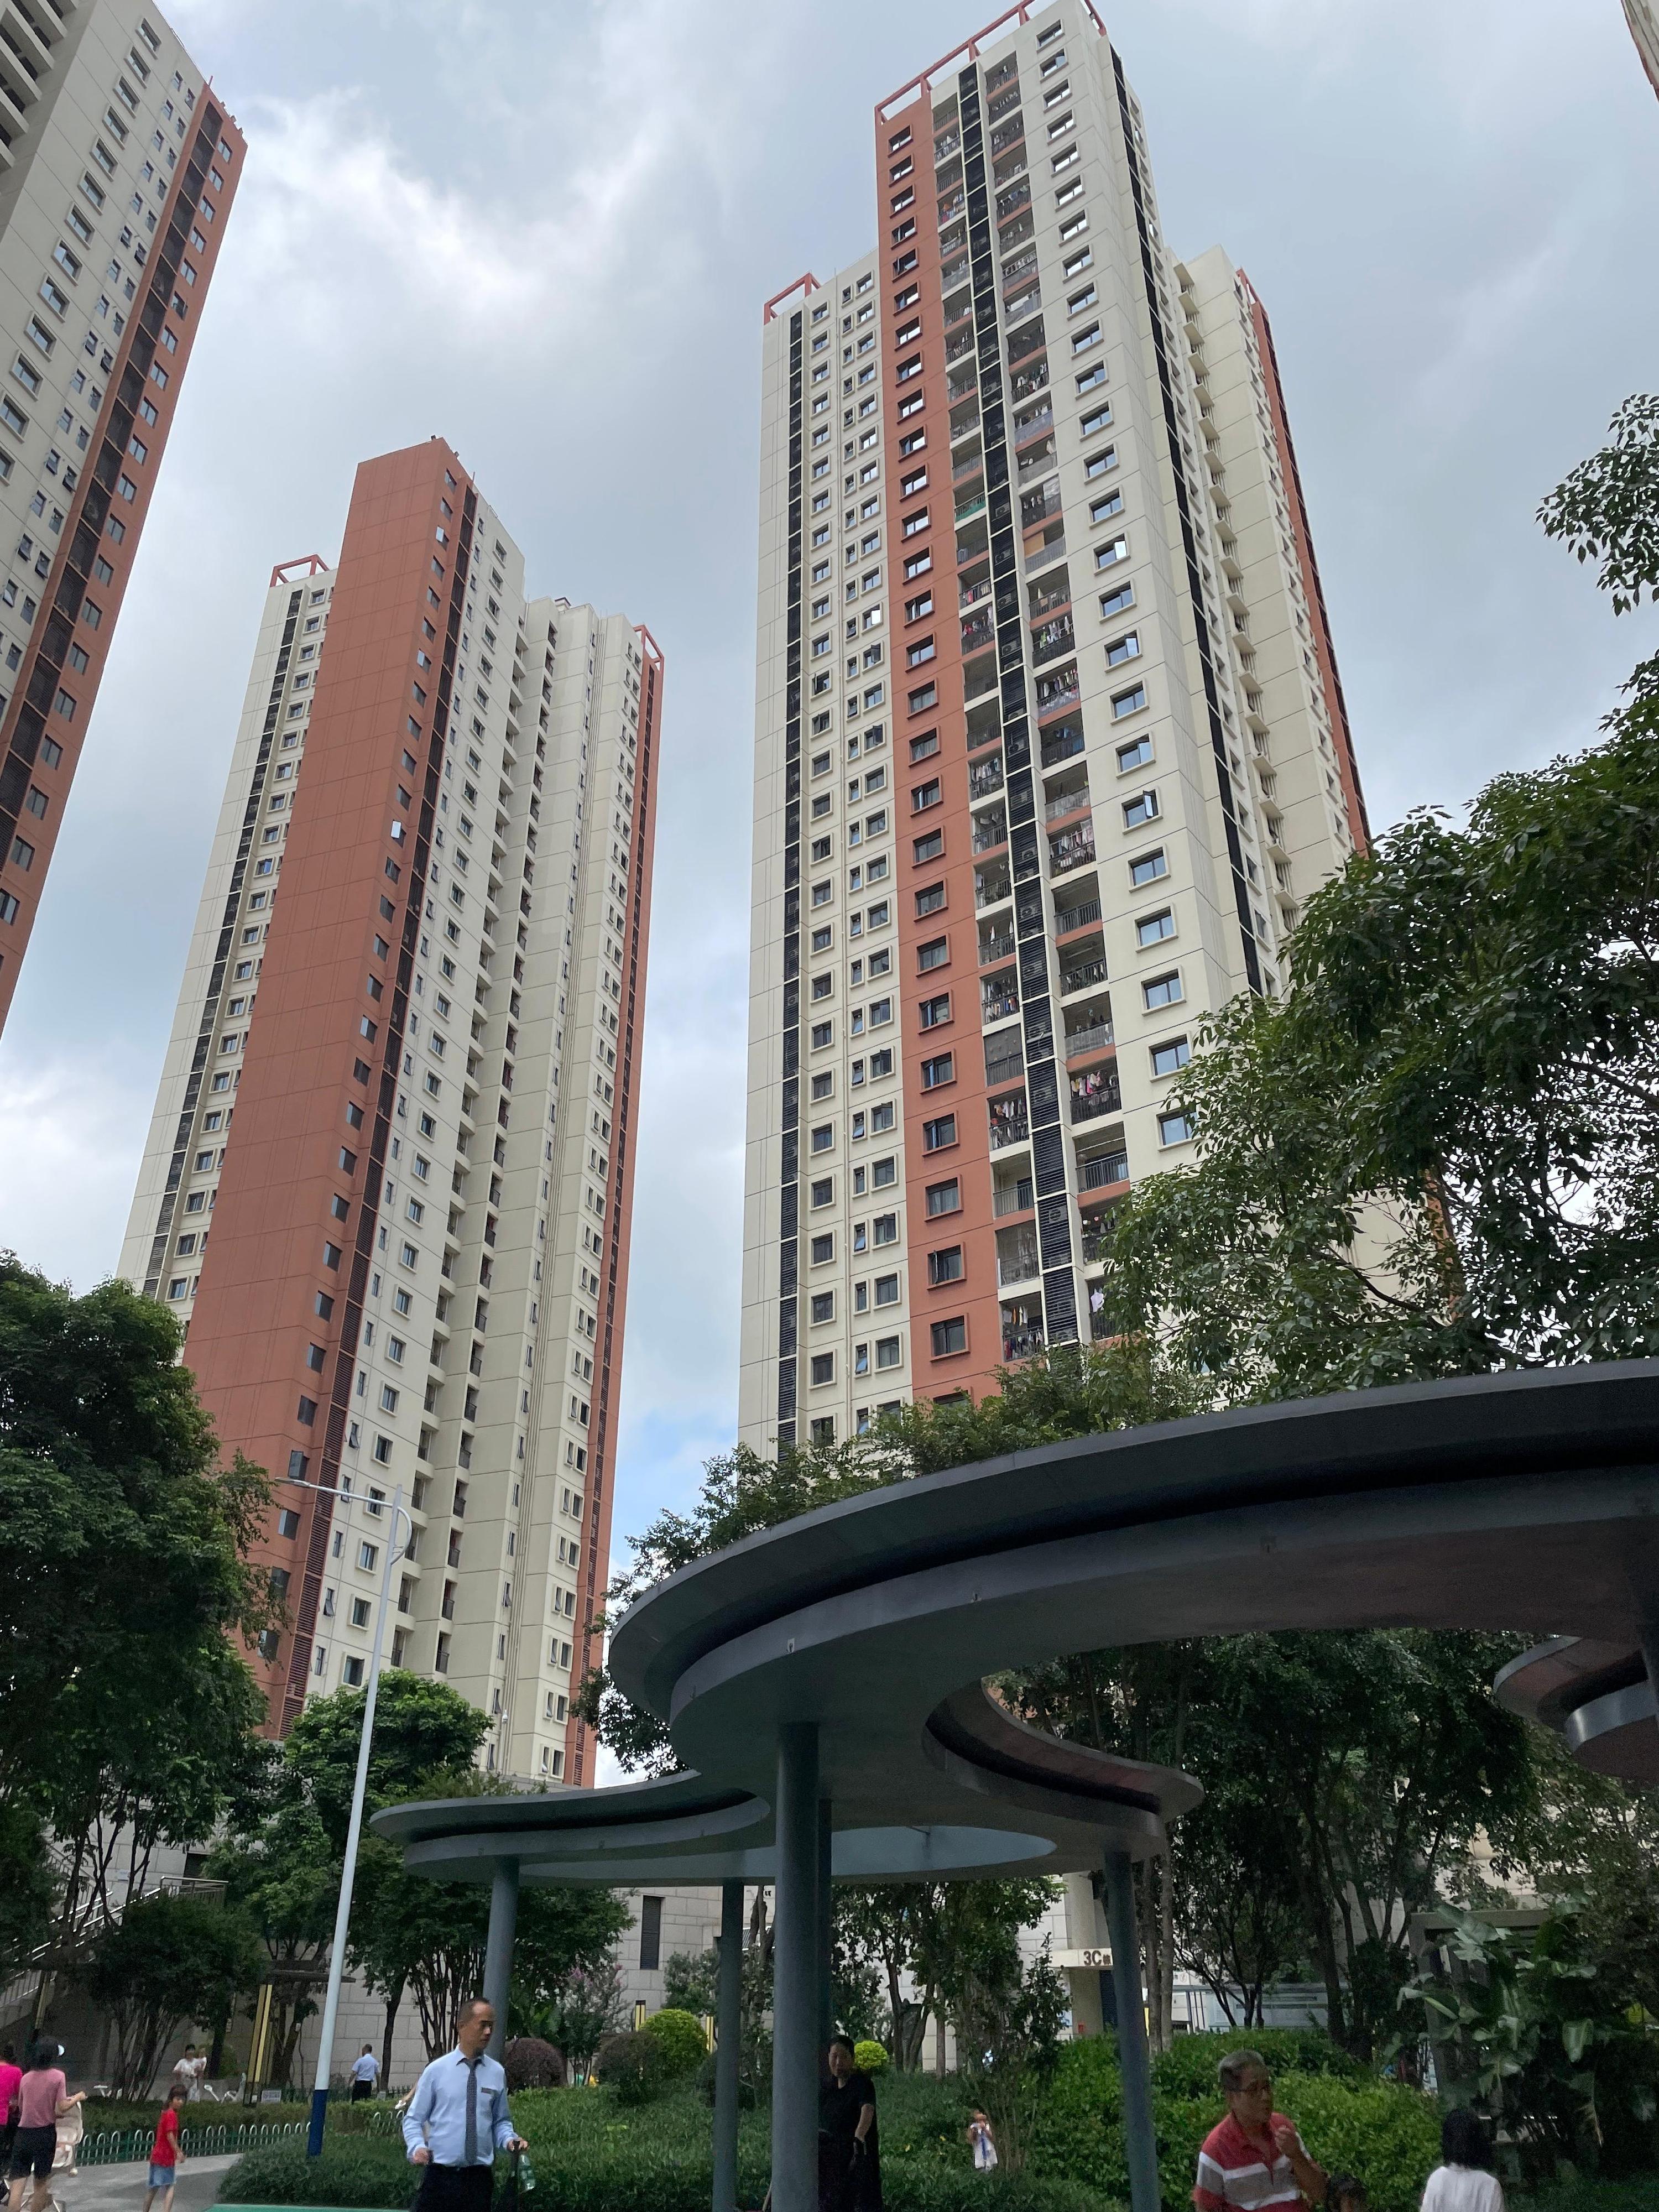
458 2118
365 2073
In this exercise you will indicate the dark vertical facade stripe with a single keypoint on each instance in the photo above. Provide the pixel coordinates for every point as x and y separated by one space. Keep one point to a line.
789 1178
1043 1090
1188 540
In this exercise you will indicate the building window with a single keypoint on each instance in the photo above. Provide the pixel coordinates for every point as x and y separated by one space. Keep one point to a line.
1143 807
1169 1059
650 1934
1148 867
1174 1129
945 1197
1153 929
936 1135
949 1337
1162 991
1128 703
945 1267
941 1069
823 1368
1136 754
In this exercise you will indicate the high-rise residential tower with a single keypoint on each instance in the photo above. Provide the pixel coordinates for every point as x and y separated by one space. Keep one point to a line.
116 174
1050 744
388 1181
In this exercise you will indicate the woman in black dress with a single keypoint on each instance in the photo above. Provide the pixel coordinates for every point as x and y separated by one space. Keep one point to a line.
849 2149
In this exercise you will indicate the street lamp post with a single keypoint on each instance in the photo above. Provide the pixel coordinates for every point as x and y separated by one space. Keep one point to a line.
353 1831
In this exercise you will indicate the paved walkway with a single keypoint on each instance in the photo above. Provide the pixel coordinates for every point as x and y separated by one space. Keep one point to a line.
121 2188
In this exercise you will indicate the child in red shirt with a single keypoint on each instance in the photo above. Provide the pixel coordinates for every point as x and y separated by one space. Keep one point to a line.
165 2153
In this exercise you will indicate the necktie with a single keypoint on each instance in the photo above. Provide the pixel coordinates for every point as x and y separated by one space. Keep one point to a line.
470 2156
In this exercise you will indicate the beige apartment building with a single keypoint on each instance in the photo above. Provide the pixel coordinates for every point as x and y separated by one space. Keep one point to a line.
388 1182
117 169
1050 744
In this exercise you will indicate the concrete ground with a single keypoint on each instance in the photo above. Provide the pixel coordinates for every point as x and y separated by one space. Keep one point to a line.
121 2188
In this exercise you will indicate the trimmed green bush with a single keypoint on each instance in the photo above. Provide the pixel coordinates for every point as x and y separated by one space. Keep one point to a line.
1390 2136
1188 2068
633 2065
359 2172
870 2056
683 2042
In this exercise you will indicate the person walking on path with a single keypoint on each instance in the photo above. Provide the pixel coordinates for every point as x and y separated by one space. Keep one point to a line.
1254 2157
458 2118
11 2081
365 2073
42 2100
1464 2180
167 2153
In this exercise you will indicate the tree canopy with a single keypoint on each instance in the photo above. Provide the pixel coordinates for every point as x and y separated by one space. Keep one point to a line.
126 1705
1439 1154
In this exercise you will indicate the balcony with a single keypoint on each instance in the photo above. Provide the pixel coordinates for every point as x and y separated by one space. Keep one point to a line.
1036 506
1068 918
1053 638
1095 1038
1065 802
1093 1094
1013 202
969 504
1017 1261
948 142
1103 1171
979 630
991 890
999 998
1071 848
1004 1060
1083 975
952 202
991 831
1062 744
985 776
1013 1197
1056 693
1009 1125
993 949
1022 1343
956 348
1035 426
1054 591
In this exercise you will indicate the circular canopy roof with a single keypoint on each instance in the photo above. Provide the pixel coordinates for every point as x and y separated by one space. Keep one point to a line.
1520 1501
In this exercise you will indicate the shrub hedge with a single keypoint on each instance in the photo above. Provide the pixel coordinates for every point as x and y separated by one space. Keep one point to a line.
1388 2136
592 2154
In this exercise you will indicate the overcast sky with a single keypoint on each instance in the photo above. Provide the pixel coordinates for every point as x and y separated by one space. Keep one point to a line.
544 229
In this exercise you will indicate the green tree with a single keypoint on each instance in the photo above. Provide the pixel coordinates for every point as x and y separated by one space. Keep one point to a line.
168 1960
1076 1392
1549 2039
126 1543
1006 2011
126 1706
425 1735
1440 1154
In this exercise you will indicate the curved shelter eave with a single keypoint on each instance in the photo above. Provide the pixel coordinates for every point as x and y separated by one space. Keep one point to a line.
1421 1441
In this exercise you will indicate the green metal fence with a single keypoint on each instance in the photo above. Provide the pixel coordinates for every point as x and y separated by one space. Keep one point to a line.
122 2146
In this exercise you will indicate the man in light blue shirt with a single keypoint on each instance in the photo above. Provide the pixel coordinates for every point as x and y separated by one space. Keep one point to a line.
458 2118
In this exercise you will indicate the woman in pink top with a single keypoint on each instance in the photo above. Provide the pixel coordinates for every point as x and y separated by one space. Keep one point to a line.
11 2080
41 2099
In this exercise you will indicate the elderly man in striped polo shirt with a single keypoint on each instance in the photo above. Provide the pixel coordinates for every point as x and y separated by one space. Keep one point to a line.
1254 2158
